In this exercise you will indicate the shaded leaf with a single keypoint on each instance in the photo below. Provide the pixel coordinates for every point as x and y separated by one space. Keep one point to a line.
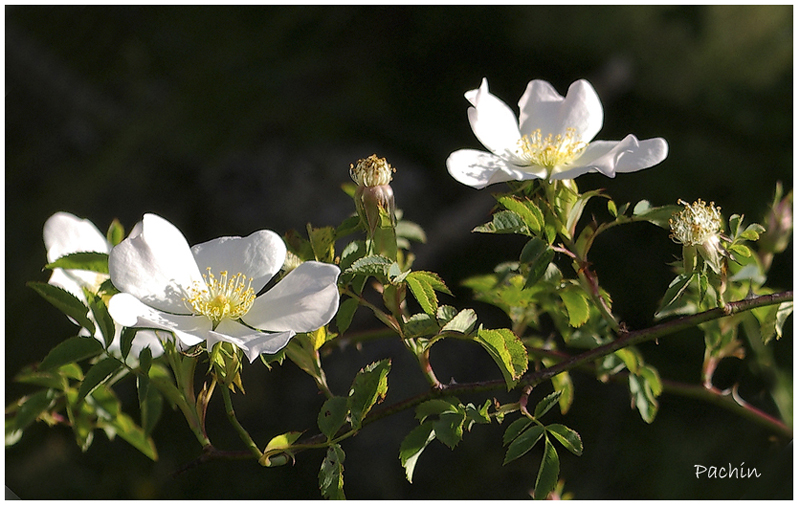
125 427
539 254
71 350
100 372
33 407
547 478
548 402
523 443
65 302
369 386
331 474
515 428
344 317
568 437
332 416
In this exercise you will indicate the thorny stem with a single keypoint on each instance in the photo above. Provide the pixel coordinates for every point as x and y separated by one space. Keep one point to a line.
532 379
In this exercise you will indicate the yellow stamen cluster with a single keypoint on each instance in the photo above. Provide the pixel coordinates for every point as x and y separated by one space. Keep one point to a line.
695 224
371 171
221 298
551 151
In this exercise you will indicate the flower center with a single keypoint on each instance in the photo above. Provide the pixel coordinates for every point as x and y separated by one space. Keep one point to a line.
221 298
551 151
371 171
695 224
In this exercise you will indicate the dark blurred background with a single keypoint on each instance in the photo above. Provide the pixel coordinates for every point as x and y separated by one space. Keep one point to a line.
226 120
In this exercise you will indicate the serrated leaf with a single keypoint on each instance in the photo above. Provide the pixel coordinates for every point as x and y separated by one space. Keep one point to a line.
100 372
508 352
375 265
331 474
150 403
547 478
348 226
568 437
504 222
523 443
65 302
88 261
515 429
675 289
544 406
436 407
421 324
577 303
423 285
477 415
527 210
413 445
71 350
369 386
463 322
449 428
332 416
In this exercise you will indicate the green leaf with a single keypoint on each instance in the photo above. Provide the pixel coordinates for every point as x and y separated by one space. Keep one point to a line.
527 210
413 445
477 415
576 210
463 322
568 437
612 208
104 321
33 407
423 285
115 233
523 443
752 232
675 289
435 407
100 372
508 352
331 474
348 226
577 303
421 324
449 428
369 386
125 427
332 416
504 222
65 302
644 399
375 265
126 340
547 478
344 317
544 406
89 261
276 453
410 231
657 216
515 429
71 350
322 241
539 255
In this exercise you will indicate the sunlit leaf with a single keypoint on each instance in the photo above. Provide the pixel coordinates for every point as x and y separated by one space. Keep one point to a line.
413 445
504 222
568 437
544 406
89 261
577 303
368 388
508 352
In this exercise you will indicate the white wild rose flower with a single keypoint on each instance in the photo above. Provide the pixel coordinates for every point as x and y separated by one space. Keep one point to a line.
210 292
552 139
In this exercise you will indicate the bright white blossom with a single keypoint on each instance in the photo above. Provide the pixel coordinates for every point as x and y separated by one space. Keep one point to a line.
64 234
552 139
210 292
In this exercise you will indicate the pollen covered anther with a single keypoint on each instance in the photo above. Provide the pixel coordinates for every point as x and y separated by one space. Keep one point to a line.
552 150
695 224
221 298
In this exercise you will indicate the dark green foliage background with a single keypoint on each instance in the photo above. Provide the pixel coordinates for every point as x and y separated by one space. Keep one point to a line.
228 120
